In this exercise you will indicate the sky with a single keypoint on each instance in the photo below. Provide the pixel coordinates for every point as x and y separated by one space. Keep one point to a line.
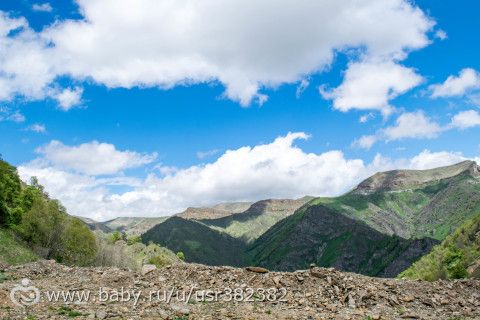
147 107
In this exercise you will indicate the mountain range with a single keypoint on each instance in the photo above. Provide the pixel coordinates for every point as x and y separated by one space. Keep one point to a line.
379 228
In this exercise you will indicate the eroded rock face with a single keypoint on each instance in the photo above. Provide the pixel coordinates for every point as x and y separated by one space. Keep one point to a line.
310 294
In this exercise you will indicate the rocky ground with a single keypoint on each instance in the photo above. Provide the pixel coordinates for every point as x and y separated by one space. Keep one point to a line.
230 293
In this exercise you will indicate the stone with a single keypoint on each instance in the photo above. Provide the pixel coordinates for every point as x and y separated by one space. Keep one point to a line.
408 298
147 268
101 314
257 269
180 310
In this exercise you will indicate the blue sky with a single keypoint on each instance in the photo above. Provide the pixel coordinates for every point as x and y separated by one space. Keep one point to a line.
176 101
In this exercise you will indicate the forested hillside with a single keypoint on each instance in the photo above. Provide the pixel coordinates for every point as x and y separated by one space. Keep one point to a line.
33 226
30 219
458 256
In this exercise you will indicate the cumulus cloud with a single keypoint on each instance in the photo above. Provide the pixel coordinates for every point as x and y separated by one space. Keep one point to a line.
417 125
467 80
279 169
466 119
371 85
428 160
365 142
244 45
26 63
441 34
92 158
413 125
409 125
68 98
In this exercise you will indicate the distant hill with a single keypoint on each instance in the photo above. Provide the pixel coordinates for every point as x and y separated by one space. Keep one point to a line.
140 225
320 235
257 219
379 228
458 256
414 203
95 225
221 241
132 225
198 242
218 211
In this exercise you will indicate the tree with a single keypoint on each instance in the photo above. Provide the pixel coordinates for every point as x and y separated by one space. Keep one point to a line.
43 225
10 194
78 245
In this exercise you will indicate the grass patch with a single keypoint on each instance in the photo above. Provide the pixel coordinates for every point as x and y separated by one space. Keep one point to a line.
12 251
69 312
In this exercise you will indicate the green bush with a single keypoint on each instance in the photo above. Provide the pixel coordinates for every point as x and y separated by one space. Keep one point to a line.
159 261
181 255
115 236
131 240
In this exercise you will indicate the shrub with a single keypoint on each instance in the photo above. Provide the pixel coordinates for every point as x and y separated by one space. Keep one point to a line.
181 255
133 239
115 236
160 261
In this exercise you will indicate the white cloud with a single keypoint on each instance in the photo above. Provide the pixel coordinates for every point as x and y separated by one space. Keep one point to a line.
428 160
365 142
366 117
274 170
416 125
26 64
69 98
42 7
441 34
468 79
91 158
206 154
371 85
303 85
245 45
466 119
7 115
413 125
409 125
37 127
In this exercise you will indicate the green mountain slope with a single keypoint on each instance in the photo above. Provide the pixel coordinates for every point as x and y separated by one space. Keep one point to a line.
13 251
198 242
414 203
458 256
215 212
252 223
318 234
132 225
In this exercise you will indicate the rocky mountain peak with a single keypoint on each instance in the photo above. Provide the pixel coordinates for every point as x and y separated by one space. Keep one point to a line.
411 179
